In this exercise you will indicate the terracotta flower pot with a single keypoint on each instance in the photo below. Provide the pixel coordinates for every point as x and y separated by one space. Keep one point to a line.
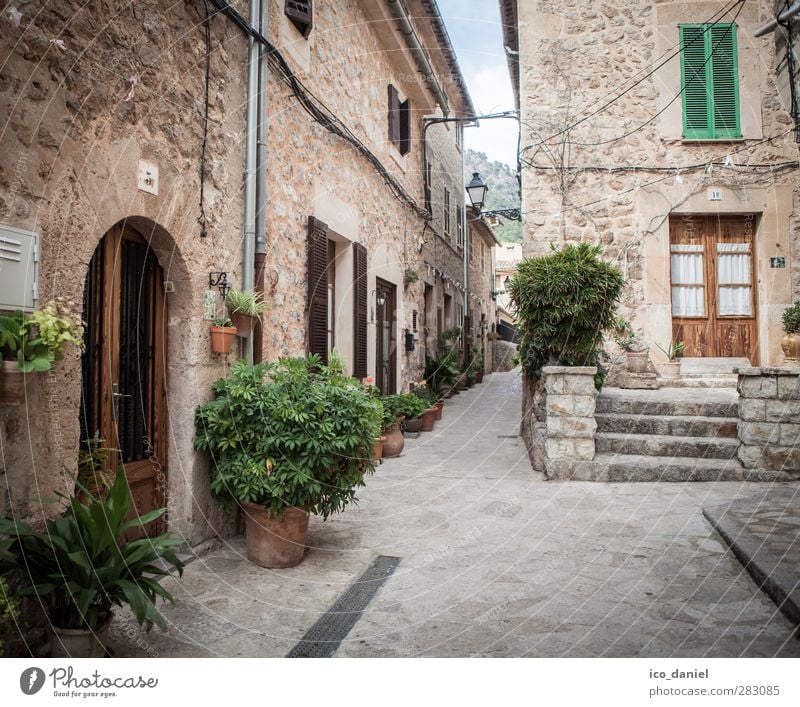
414 424
222 338
670 370
275 542
12 384
244 324
428 418
439 409
78 642
790 344
377 449
479 377
637 361
394 441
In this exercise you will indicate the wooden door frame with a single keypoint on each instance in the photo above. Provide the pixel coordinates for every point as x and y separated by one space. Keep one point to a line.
390 307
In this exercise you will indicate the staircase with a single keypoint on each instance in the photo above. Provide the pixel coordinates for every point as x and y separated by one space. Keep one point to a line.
706 373
672 434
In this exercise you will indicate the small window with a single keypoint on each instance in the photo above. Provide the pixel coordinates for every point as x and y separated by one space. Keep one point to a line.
301 13
483 256
471 246
428 175
459 135
331 294
460 227
709 82
446 226
687 265
399 121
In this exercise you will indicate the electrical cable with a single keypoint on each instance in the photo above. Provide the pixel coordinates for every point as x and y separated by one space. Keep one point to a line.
317 109
203 219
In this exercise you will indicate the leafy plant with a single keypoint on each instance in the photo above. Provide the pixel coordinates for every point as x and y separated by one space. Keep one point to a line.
674 350
9 614
622 333
407 404
440 370
791 318
223 322
424 393
38 339
245 302
91 460
295 433
410 276
564 302
80 565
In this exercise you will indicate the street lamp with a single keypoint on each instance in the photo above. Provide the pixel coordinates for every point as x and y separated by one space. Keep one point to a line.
476 190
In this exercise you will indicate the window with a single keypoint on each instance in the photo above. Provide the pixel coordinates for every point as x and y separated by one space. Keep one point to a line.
399 121
317 321
428 174
460 228
472 246
734 280
331 270
359 311
688 283
301 13
483 257
709 82
459 135
446 220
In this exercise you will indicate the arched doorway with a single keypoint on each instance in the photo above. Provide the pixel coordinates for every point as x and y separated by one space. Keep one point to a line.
123 382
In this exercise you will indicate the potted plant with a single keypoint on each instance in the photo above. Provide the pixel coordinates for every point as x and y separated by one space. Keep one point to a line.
410 407
33 342
790 343
672 368
223 334
637 355
287 439
244 306
410 276
440 372
391 426
81 566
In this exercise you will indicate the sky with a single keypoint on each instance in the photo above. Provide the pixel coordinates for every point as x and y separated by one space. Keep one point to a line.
477 36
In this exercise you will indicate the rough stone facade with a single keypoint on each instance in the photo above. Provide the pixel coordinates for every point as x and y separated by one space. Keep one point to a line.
604 159
769 419
482 309
76 126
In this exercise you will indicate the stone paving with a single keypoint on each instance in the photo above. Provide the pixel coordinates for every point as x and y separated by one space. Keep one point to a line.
496 561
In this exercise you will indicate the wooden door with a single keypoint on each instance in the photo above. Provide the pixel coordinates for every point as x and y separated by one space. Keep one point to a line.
386 344
123 381
713 285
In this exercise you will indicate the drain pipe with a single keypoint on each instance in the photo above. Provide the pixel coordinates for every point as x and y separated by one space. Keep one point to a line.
261 181
399 13
773 24
250 166
465 250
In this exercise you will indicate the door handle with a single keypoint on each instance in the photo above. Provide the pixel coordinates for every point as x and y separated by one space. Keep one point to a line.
116 394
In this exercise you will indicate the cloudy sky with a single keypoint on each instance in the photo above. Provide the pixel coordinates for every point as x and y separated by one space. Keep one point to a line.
476 33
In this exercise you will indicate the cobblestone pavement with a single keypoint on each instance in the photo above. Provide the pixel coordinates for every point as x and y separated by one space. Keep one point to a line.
495 562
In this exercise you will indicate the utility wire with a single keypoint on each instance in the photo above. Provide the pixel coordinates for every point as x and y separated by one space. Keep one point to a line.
317 109
203 219
711 21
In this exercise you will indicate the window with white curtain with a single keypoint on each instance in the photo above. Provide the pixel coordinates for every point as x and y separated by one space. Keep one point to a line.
688 281
733 280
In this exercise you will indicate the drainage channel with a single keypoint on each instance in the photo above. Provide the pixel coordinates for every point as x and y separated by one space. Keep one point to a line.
327 634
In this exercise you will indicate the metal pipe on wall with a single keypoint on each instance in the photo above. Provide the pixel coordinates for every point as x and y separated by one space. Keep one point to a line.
261 180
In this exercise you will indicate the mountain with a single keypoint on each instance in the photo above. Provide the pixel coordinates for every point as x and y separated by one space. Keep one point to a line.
503 191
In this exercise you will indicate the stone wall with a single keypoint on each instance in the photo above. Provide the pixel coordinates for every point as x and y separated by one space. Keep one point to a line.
86 93
602 180
503 353
769 420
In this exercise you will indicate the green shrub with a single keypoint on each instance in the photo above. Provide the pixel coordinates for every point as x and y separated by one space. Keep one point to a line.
245 302
791 319
295 433
9 614
564 302
407 404
440 371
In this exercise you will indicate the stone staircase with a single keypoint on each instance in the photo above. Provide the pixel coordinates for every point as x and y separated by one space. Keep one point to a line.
706 373
672 434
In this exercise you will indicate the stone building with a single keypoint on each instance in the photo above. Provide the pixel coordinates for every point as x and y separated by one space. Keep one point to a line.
482 311
669 145
109 122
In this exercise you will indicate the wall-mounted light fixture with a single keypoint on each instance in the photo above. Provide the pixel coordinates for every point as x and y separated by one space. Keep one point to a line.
476 190
220 281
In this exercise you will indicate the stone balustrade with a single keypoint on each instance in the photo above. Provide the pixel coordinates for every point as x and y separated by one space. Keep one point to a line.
769 419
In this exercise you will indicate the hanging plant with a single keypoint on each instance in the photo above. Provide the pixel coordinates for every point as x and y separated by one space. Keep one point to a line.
410 276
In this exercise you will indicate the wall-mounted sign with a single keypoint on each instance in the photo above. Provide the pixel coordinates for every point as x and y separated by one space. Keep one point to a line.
777 262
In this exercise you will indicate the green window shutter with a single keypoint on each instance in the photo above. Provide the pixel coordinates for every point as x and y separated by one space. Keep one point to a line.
725 81
709 81
696 119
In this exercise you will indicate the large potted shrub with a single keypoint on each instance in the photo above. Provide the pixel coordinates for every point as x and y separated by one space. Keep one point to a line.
564 302
408 406
441 372
81 566
287 439
33 342
790 343
244 307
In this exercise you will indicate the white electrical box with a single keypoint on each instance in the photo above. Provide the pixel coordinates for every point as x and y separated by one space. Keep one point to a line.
19 268
147 177
715 195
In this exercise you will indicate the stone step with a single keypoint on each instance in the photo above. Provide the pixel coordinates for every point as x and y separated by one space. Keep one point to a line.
639 406
726 382
666 446
634 467
673 425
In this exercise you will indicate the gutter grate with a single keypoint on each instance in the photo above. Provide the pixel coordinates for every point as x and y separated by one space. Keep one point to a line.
327 634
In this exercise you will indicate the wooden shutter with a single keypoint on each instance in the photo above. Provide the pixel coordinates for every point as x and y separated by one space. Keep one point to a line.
301 13
710 81
405 126
725 81
359 311
696 122
317 312
394 115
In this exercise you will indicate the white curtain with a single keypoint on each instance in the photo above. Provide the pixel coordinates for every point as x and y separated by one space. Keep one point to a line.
688 292
733 276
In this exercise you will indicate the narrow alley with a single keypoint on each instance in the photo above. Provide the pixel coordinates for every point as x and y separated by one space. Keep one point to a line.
494 561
